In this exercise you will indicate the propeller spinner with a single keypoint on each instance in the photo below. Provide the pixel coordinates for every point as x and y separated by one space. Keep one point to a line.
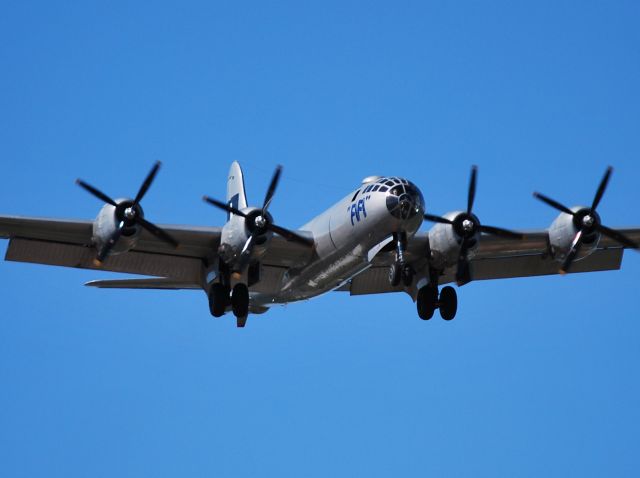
587 221
128 213
466 225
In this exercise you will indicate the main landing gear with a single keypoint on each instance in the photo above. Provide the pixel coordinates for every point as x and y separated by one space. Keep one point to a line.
428 302
221 296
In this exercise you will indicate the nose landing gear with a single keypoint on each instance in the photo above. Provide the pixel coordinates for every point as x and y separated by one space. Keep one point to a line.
400 271
428 302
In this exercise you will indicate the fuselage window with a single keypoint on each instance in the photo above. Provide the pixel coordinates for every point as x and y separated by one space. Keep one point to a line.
375 188
384 189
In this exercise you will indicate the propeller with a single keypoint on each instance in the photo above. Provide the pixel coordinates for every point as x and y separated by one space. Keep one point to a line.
587 221
466 225
128 213
259 221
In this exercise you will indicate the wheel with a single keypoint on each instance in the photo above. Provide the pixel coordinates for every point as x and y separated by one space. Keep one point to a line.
240 300
427 302
407 276
395 275
218 299
448 303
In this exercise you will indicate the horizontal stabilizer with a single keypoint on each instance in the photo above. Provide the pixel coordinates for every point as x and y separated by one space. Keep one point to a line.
152 283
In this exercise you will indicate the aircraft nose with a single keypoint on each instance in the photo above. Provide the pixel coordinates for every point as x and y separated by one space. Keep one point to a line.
404 201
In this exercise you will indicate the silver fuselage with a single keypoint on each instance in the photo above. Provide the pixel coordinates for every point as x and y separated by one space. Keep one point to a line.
346 236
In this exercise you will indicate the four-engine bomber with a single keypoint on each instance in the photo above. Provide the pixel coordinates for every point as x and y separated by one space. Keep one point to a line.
368 242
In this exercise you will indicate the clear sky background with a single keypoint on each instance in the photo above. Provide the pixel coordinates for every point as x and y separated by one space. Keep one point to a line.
535 377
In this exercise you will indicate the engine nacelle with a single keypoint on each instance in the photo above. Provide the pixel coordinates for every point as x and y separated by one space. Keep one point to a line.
563 232
107 222
236 232
445 242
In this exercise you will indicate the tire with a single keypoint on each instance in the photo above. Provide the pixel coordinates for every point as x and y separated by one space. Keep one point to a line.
240 300
218 300
427 302
448 303
395 275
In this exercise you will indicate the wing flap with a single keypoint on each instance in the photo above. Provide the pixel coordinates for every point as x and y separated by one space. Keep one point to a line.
539 265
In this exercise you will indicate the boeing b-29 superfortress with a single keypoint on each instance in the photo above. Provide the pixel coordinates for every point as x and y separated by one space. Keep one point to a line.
367 243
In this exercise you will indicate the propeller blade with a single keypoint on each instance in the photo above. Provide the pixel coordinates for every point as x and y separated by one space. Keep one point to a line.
498 231
245 255
441 220
463 273
106 248
290 235
553 204
96 192
147 182
223 206
573 252
618 236
248 244
272 189
472 188
156 231
602 188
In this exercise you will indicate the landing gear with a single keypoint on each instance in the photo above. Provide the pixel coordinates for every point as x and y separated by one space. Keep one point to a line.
399 271
395 274
218 299
448 303
221 296
407 275
240 303
428 302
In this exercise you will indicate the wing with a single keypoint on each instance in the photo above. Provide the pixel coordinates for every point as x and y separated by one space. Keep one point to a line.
495 258
68 243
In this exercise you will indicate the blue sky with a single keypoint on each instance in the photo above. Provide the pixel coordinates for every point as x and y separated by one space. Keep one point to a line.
535 377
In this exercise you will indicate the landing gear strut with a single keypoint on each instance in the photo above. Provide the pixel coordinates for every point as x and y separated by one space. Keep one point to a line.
428 302
399 270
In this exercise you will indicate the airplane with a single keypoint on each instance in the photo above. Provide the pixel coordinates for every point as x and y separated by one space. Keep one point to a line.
369 242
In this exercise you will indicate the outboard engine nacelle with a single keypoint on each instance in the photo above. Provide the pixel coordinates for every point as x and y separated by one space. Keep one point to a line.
110 219
119 223
576 232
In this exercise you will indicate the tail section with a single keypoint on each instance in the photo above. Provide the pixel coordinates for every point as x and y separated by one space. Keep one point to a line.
236 195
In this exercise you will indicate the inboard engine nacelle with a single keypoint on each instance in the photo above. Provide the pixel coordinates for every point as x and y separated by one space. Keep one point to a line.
445 240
